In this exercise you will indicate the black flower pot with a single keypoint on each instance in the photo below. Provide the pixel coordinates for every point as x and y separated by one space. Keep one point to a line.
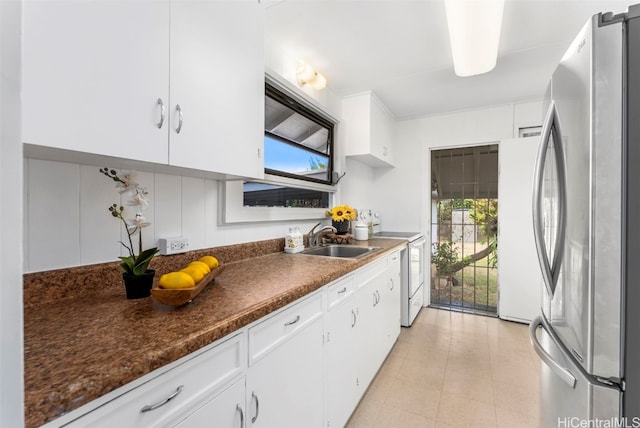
342 227
138 286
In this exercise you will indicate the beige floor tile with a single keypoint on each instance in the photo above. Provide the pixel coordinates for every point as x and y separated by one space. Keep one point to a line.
433 357
392 365
516 373
393 417
464 412
511 419
365 414
523 398
478 388
425 373
414 398
379 388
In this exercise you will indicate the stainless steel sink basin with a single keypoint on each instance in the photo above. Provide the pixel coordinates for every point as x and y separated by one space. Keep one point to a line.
344 251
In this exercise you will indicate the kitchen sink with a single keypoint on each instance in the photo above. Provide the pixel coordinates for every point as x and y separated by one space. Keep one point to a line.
349 252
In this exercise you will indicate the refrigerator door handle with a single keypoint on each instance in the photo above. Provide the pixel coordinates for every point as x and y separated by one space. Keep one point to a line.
562 372
550 269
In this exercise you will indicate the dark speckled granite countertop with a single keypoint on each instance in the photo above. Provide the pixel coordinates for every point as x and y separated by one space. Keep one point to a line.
83 338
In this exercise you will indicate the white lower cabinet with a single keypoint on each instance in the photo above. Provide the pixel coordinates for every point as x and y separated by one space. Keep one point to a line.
362 325
306 365
285 378
225 410
341 324
390 301
371 335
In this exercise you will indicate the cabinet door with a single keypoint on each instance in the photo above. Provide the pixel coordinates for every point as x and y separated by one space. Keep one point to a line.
284 387
226 410
217 80
391 300
381 132
92 74
371 333
341 325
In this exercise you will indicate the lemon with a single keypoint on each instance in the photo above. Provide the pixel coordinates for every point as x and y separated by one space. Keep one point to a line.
210 261
194 272
176 280
203 266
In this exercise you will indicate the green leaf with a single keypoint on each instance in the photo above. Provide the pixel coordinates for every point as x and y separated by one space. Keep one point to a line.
126 264
143 260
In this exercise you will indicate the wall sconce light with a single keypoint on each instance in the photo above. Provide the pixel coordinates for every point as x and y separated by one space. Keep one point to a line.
308 76
474 31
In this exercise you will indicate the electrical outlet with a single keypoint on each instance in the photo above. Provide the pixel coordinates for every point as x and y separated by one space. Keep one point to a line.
170 246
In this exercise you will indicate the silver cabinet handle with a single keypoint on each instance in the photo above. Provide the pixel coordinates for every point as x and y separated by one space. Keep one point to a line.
239 410
154 406
161 104
550 269
297 318
376 298
354 318
562 372
344 290
180 118
392 284
254 397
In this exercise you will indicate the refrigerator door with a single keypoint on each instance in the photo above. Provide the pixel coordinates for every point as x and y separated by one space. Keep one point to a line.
579 200
569 393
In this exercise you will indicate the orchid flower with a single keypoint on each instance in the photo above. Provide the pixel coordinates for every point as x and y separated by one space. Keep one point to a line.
126 185
139 221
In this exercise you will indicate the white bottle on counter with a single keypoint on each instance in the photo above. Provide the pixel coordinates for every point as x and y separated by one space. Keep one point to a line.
293 242
361 232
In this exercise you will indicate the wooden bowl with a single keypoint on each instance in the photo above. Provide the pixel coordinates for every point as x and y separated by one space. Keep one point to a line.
182 296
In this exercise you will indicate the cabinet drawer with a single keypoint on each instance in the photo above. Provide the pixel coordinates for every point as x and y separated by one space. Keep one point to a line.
340 290
372 270
168 396
268 334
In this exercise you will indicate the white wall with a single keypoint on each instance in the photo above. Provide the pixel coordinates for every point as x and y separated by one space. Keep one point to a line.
11 338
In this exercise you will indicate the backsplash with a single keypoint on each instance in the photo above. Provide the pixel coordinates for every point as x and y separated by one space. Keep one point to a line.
67 224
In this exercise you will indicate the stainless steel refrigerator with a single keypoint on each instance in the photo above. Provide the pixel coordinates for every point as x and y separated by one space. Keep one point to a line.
586 215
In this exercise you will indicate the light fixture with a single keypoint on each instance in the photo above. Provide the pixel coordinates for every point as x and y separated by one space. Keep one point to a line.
308 76
474 31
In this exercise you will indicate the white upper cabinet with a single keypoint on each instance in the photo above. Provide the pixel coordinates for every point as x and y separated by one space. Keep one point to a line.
171 82
92 74
367 130
217 79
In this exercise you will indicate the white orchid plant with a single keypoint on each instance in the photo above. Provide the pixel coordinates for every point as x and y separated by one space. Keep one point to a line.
137 197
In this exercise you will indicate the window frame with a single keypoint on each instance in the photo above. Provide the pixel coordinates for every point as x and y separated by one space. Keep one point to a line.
280 96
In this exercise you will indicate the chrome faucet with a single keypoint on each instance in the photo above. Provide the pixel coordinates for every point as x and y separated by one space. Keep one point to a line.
315 238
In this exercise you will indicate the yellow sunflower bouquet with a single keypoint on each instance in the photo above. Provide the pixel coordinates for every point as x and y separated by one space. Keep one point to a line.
342 213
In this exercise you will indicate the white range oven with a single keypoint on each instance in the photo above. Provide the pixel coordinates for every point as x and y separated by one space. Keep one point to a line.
412 274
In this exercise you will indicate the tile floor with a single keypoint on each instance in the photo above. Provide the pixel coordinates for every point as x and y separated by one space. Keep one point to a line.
455 370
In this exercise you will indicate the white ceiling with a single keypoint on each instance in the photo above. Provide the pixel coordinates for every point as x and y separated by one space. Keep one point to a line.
400 49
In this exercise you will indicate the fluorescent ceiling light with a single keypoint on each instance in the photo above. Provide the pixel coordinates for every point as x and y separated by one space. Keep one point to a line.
474 31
